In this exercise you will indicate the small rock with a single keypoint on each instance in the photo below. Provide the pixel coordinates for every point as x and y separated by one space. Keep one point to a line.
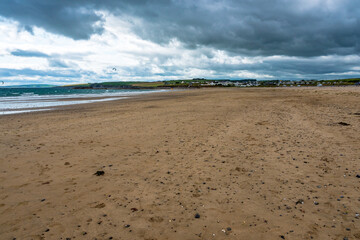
300 201
99 173
197 215
126 225
343 124
358 175
316 203
100 205
282 237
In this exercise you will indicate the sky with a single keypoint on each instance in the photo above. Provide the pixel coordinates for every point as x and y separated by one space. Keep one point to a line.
69 42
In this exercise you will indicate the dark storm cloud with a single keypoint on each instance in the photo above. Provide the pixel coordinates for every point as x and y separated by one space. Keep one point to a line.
75 20
252 27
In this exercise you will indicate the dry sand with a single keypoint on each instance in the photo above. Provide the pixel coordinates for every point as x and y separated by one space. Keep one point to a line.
252 163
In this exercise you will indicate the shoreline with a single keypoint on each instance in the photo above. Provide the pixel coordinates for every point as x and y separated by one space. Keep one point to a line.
255 163
101 99
56 103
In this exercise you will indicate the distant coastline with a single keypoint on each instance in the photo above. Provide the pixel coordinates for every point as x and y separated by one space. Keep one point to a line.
206 83
197 83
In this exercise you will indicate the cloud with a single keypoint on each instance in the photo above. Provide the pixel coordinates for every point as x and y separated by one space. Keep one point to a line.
75 20
6 73
58 63
81 41
25 53
250 27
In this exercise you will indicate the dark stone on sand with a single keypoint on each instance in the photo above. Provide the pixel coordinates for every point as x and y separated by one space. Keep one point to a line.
197 215
99 173
316 203
228 229
282 237
300 201
343 124
126 225
47 230
100 205
358 175
66 163
43 199
134 209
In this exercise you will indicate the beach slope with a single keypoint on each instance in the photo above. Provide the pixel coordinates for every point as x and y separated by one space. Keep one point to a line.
258 163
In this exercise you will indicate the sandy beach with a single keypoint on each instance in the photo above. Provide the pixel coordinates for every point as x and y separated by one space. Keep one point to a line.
227 163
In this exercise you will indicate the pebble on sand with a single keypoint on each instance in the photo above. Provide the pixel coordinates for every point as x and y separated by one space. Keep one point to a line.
99 173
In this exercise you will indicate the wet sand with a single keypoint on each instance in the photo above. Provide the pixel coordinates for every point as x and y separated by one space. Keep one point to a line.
197 164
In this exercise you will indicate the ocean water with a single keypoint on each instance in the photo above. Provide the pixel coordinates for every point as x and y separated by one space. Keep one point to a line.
19 100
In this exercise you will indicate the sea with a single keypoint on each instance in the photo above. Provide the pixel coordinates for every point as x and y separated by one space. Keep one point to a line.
20 100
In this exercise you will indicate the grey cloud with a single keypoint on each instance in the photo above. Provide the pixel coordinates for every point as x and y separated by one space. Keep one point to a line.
6 72
260 28
250 27
281 67
75 19
58 63
53 60
26 53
